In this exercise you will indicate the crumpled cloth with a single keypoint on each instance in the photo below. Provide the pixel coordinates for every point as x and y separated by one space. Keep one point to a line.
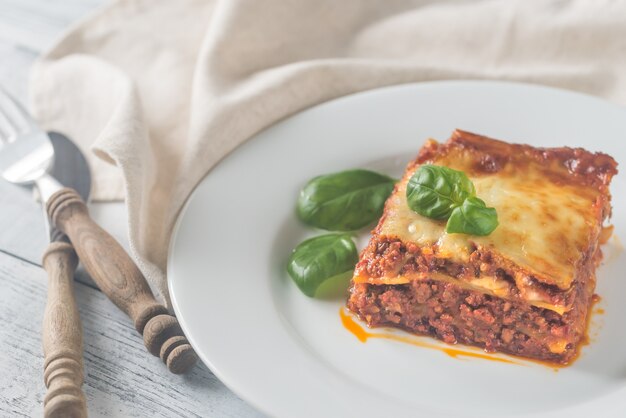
158 91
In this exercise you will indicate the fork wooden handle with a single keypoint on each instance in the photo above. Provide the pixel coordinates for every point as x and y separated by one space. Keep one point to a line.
119 278
62 337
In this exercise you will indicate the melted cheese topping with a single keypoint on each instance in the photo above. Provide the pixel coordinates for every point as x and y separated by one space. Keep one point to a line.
544 228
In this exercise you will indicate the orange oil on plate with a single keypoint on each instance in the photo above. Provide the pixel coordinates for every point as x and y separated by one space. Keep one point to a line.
613 250
363 335
595 321
618 242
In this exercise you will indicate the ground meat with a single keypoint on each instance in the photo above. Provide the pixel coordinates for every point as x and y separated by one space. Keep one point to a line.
455 314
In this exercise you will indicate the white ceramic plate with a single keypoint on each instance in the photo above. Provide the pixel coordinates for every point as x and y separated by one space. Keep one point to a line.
289 355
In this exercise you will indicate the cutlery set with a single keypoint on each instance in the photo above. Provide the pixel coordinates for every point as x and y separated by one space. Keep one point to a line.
28 156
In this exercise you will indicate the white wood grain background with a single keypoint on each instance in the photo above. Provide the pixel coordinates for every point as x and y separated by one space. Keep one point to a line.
121 378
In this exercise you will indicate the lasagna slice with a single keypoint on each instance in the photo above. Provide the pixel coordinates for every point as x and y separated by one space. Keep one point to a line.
526 289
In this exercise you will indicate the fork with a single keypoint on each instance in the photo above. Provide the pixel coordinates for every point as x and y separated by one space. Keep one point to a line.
61 328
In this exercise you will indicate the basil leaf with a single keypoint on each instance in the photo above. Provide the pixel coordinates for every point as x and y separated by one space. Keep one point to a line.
473 217
434 191
344 201
319 259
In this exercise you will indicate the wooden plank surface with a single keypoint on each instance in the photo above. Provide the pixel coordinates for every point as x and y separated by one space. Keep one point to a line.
35 24
121 378
22 224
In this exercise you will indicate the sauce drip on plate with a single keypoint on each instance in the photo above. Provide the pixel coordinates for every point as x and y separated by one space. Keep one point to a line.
363 335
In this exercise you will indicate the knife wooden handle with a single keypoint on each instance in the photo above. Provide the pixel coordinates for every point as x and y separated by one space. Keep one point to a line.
119 278
62 337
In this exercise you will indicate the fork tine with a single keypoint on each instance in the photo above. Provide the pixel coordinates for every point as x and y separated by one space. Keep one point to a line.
14 118
6 129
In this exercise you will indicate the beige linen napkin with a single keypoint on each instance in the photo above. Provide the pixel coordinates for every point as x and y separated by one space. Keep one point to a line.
164 89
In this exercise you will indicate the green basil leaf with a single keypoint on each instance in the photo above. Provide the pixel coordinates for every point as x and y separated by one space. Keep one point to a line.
434 191
321 258
473 217
344 201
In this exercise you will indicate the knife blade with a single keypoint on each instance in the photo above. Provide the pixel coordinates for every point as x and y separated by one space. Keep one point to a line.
70 169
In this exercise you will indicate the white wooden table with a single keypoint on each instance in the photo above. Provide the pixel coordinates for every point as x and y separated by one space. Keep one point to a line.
121 378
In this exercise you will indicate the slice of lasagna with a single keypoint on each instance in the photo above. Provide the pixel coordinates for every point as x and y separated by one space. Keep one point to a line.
525 289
